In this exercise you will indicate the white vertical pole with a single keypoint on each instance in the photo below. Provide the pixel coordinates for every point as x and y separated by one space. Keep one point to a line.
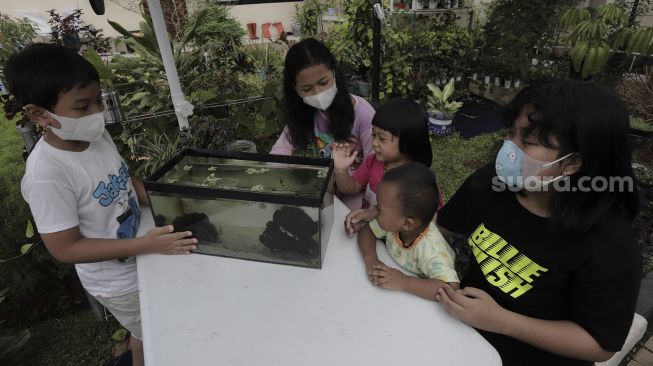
183 108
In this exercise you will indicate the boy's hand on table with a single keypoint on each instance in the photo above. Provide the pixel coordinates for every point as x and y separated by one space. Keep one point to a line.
343 156
162 240
357 219
369 268
388 277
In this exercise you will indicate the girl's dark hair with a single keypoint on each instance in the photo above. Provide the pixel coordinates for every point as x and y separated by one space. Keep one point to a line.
406 120
417 190
586 119
311 52
41 72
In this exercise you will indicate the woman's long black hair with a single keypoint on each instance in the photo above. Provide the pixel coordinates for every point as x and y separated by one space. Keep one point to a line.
593 122
310 52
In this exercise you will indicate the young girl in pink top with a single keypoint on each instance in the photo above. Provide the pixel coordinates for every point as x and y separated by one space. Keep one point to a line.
399 135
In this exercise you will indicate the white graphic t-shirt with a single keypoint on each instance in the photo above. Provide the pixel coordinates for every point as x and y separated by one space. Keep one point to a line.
90 189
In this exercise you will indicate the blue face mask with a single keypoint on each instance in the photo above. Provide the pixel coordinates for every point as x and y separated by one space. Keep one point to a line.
514 167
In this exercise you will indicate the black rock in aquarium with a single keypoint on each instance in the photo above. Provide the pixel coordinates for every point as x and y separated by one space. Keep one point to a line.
199 224
291 229
160 220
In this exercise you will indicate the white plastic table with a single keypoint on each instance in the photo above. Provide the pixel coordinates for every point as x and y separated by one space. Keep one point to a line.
206 310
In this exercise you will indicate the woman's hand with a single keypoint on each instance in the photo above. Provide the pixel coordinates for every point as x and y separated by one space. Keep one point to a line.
343 156
474 307
357 219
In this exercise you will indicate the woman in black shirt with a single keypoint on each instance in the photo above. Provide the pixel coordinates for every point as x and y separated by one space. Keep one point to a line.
555 270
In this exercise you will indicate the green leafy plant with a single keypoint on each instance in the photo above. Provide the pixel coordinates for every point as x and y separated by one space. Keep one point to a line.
155 152
637 93
351 43
438 102
14 349
594 37
26 248
217 32
266 60
15 34
306 16
514 30
72 32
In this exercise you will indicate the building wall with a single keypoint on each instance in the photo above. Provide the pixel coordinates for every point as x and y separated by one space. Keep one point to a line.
265 13
113 12
259 13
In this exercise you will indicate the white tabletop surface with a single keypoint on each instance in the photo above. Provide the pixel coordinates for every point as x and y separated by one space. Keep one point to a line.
206 310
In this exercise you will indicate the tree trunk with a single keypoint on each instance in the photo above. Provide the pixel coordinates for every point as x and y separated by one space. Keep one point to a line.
633 14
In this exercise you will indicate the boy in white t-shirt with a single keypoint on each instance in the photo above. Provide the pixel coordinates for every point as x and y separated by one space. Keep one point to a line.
407 198
84 202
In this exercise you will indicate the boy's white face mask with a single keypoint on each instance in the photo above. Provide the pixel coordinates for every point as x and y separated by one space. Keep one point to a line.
88 128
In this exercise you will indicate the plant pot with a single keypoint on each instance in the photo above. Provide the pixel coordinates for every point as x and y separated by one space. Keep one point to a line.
497 81
486 80
459 78
534 62
417 5
507 83
475 76
363 88
399 5
517 83
433 4
440 124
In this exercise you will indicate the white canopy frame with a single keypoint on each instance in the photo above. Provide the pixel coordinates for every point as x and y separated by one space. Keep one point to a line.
183 108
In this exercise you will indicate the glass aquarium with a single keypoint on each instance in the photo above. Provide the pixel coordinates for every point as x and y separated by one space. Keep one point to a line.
267 208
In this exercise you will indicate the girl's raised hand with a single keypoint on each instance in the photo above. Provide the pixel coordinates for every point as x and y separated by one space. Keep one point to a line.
343 156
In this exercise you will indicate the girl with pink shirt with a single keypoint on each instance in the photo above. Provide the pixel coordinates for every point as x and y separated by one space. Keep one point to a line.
319 107
399 135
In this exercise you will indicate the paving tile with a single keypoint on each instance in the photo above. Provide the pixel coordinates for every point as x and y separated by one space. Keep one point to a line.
644 356
649 344
634 363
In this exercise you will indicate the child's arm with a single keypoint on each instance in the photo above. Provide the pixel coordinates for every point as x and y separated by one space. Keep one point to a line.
343 158
69 246
477 308
367 246
394 279
139 187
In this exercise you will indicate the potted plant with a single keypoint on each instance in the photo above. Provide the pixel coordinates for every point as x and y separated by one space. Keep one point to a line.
441 110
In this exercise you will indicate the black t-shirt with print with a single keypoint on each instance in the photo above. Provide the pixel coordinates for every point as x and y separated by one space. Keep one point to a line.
528 269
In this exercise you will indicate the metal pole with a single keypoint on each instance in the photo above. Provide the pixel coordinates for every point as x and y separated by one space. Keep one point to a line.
183 108
376 52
